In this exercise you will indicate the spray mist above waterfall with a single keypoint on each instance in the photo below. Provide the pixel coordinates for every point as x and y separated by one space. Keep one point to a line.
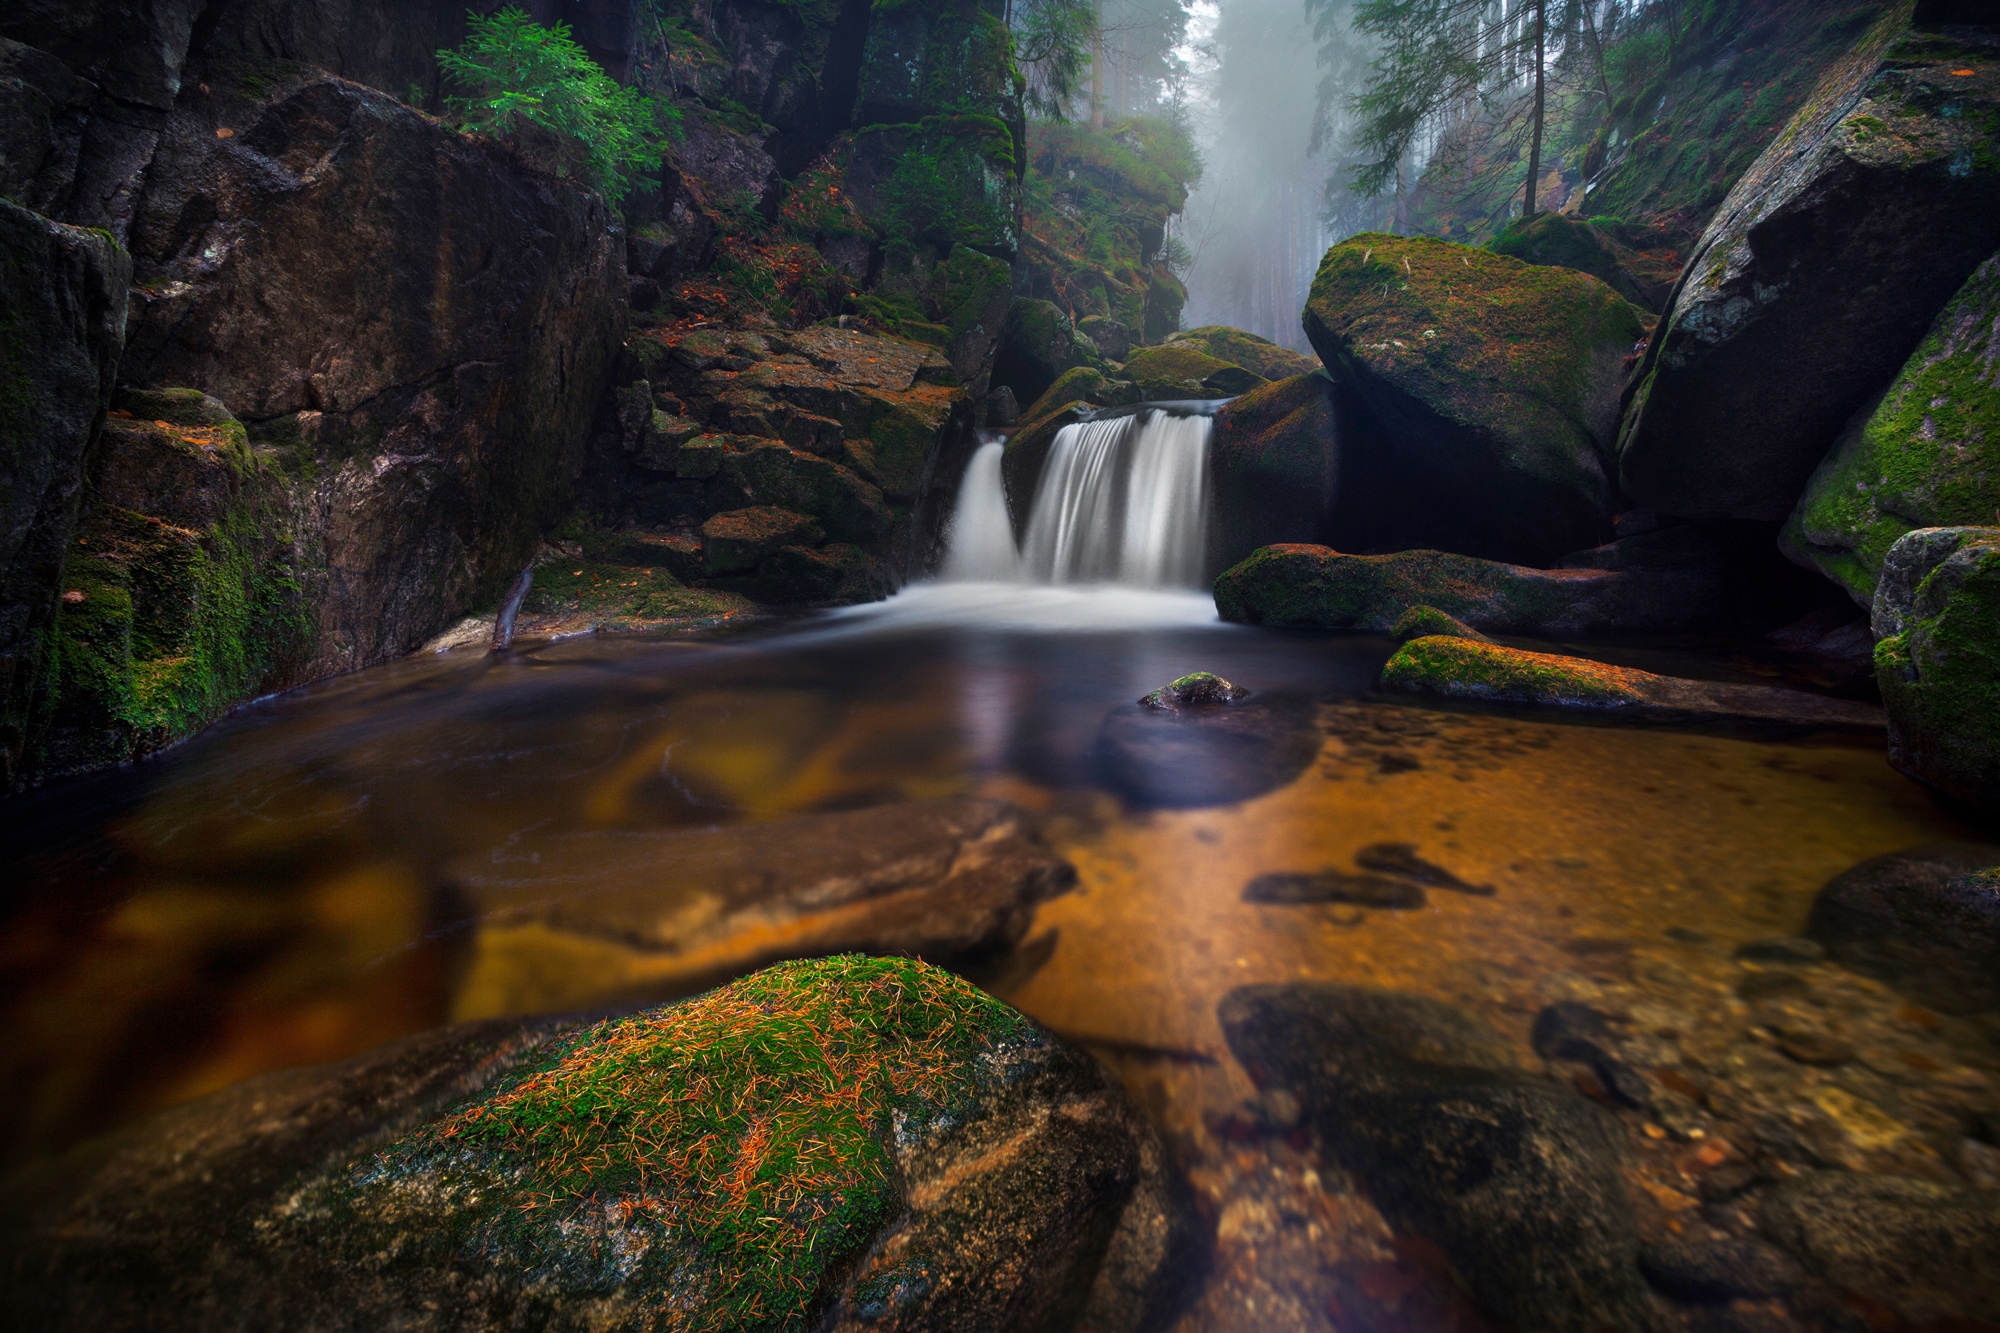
1121 500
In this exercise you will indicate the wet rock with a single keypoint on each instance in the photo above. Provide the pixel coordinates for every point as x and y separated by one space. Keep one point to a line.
1817 277
1500 378
62 318
1026 451
1515 1178
1421 622
1335 886
1926 1252
1612 253
738 539
1189 757
664 913
1937 619
1400 858
1274 460
1921 457
1569 1030
973 1172
1715 1272
1925 920
1812 1046
1452 668
1197 689
1260 356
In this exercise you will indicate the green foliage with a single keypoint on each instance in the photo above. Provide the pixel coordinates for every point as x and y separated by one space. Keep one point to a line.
537 88
948 184
1052 41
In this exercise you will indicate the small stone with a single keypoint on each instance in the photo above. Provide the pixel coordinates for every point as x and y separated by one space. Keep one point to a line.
1400 858
1197 689
1334 886
1713 1272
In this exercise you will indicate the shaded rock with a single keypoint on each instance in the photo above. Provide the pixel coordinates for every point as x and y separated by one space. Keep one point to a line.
1937 661
1183 370
1715 1272
1274 463
1026 452
1927 1252
44 110
1451 668
738 539
1422 622
1926 455
133 50
1112 339
1334 886
1499 379
1569 1030
62 321
1517 1179
840 574
1190 757
1925 920
974 1172
1037 344
1260 356
1400 858
1197 689
972 292
663 913
770 472
1594 247
1078 384
1818 276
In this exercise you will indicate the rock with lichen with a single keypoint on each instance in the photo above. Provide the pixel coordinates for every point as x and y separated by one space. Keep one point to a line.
846 1143
1937 659
1183 370
1260 356
1197 689
1926 455
1423 622
1499 381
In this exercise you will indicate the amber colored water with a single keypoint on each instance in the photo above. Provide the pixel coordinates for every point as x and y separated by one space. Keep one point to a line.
277 892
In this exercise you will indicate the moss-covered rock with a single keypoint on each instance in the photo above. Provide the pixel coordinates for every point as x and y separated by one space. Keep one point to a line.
1027 450
1258 355
1423 622
1450 667
1038 345
822 1143
1558 239
1078 384
1197 689
1275 463
770 472
1927 455
1937 615
1500 378
738 539
1819 275
1181 369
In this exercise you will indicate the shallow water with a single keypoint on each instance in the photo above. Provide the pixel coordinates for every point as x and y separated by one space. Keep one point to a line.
280 890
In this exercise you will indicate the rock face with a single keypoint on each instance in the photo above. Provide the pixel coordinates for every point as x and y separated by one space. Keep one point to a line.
665 913
1926 456
1451 667
1925 920
1819 275
62 323
1274 463
1497 379
967 1171
1937 658
1514 1176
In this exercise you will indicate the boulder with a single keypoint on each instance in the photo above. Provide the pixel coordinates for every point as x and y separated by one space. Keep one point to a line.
1037 344
737 539
1112 339
1196 690
1078 384
1498 381
1451 667
1926 1255
1260 356
1274 465
968 1171
1937 658
1571 242
971 293
62 323
840 574
770 472
1925 920
663 913
1515 1177
432 449
1818 276
1165 753
1424 622
1183 370
1925 455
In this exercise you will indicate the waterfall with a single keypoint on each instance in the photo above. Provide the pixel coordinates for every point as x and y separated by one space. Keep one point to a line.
1121 500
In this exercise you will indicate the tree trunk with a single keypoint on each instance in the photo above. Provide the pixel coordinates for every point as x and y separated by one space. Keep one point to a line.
1097 70
1535 138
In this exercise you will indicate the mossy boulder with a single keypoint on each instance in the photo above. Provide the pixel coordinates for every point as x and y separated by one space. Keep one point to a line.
1818 277
1572 242
1078 384
1937 615
1452 667
1258 355
1424 622
823 1143
769 472
1037 345
738 539
971 292
1927 455
1500 380
1183 369
1274 460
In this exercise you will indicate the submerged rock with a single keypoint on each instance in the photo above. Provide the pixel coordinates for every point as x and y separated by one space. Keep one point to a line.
588 919
1925 920
1182 757
1499 379
1274 464
1515 1177
1454 668
1818 276
847 1143
1926 455
1937 659
1335 886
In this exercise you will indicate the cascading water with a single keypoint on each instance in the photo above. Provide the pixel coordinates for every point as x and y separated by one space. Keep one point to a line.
1122 500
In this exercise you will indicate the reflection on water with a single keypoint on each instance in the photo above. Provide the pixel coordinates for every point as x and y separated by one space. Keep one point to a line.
281 891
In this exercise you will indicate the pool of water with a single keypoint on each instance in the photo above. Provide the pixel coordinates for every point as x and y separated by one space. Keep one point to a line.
280 890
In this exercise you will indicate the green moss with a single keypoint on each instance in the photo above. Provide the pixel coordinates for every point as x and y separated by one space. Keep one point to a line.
1458 668
1305 585
1258 355
1173 361
1421 622
1078 384
1940 676
745 1137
